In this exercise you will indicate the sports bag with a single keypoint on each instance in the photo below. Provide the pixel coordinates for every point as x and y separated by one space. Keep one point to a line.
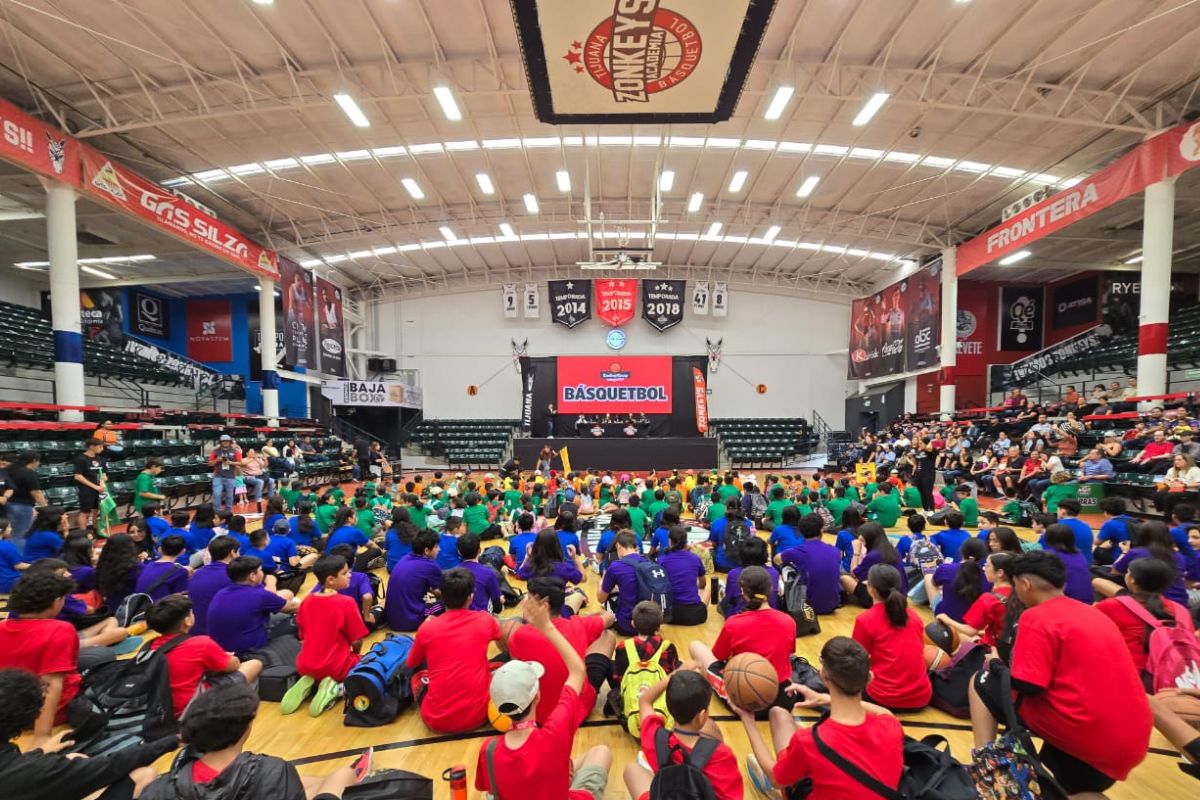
640 676
686 780
925 555
379 686
929 773
758 505
1172 652
653 583
494 557
391 784
737 533
952 685
795 601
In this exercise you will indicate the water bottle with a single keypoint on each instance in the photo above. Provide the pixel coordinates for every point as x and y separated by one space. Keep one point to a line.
457 778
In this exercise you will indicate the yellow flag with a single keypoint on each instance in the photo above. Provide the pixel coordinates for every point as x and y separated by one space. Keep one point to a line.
566 459
865 473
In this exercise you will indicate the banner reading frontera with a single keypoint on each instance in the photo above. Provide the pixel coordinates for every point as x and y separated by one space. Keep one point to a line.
570 301
332 349
662 303
299 332
896 330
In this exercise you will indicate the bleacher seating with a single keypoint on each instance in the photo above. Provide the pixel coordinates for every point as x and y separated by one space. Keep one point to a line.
764 441
26 340
469 442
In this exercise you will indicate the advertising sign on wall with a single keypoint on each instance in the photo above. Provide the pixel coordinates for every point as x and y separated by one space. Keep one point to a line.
30 143
1074 303
620 385
210 330
378 394
896 330
332 343
151 315
1021 315
299 330
100 316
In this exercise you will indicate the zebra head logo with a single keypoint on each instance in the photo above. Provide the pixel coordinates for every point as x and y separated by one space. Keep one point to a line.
58 153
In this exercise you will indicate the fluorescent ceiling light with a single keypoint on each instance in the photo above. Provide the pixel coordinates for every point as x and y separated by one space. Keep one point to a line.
807 187
265 2
738 181
1015 257
695 203
413 189
772 232
485 183
98 273
1135 260
714 229
352 110
783 95
871 108
564 180
447 234
506 229
666 181
531 204
445 99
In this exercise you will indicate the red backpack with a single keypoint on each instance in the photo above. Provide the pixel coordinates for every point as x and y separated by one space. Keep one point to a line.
1172 651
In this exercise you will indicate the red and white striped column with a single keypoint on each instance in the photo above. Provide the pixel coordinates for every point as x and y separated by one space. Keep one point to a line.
949 341
1157 244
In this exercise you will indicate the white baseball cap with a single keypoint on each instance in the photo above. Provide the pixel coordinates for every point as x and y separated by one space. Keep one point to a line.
515 686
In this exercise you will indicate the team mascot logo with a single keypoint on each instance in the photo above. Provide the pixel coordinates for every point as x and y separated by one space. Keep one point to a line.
57 149
641 50
1189 145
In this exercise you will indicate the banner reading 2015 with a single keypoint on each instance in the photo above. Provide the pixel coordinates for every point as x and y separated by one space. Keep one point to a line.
620 385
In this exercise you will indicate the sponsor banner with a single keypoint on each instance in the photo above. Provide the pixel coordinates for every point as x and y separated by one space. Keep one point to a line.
1022 311
151 315
532 302
896 330
195 375
700 299
629 61
1075 303
617 385
210 330
30 143
701 392
614 300
124 189
254 341
528 373
299 331
508 295
720 299
662 303
921 294
377 394
1031 368
100 316
1121 300
331 345
570 301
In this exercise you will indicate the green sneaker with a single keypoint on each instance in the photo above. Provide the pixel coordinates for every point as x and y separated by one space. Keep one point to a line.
328 692
294 697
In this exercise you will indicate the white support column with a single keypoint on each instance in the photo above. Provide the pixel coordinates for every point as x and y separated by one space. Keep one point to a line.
1158 233
63 253
266 326
949 329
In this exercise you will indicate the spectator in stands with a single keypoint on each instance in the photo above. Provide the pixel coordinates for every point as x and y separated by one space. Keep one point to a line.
1095 467
254 473
1101 407
1130 391
89 481
1070 399
1007 471
1156 456
1179 485
1015 400
1188 445
225 459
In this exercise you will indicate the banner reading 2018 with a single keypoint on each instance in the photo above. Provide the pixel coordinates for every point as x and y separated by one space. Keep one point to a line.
896 330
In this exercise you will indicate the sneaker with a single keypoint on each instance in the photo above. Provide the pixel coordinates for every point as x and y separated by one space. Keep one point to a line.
642 762
295 696
718 684
328 692
759 780
130 644
362 765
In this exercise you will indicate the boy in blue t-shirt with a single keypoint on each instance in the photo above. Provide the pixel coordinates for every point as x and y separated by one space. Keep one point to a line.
521 540
950 541
448 557
158 527
11 562
784 536
1118 527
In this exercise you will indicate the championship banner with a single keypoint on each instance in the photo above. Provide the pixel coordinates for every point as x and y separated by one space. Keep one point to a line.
614 300
1075 303
700 299
509 300
100 316
720 299
30 143
662 303
332 344
607 385
299 330
570 301
595 62
1022 311
377 394
701 391
209 330
896 330
133 194
151 315
532 308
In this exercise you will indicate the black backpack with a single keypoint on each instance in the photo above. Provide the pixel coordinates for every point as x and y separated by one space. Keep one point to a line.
930 772
795 601
685 781
737 533
952 685
652 583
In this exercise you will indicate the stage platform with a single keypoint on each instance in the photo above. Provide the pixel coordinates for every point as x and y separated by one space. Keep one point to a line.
696 452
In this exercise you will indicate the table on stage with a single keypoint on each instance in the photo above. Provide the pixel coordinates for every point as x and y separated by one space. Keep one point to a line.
608 430
641 453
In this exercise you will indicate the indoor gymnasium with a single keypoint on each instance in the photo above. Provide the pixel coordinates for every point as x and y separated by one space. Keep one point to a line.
599 399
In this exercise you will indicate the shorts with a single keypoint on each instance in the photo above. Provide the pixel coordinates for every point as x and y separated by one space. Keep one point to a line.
860 596
591 779
1075 776
599 669
89 499
691 614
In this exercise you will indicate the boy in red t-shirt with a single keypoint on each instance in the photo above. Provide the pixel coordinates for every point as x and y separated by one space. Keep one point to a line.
866 735
449 659
688 696
43 645
331 632
198 658
532 761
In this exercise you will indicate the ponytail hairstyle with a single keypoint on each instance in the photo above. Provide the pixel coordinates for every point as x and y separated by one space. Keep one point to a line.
1152 577
1002 562
885 580
876 539
1155 536
344 515
678 538
968 583
755 583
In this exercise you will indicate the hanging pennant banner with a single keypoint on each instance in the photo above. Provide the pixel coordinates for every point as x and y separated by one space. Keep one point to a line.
662 303
30 143
701 392
330 321
299 326
720 299
614 301
532 304
508 294
700 299
1022 310
570 301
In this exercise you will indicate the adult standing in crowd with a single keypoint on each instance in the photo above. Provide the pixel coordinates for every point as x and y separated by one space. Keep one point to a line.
26 495
226 460
90 485
363 457
924 469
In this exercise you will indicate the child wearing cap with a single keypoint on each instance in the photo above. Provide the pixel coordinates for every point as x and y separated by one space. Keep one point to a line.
531 761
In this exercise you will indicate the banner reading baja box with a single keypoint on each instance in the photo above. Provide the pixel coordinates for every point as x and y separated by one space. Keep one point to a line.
299 332
133 194
570 301
209 330
620 385
896 330
372 393
1022 311
28 142
629 61
332 336
662 303
614 301
151 316
1075 303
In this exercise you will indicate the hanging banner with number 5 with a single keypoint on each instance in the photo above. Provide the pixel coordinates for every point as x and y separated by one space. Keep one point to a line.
662 303
614 301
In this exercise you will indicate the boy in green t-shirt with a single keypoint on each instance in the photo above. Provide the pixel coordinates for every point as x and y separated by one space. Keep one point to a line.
475 515
381 498
777 504
364 518
337 493
912 497
648 494
145 486
727 489
1010 512
637 517
291 496
1058 490
659 505
838 505
885 506
967 506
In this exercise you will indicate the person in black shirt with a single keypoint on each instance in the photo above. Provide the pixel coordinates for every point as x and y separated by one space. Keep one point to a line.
5 487
89 481
26 495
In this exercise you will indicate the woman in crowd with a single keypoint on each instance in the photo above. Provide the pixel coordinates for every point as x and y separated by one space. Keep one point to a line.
870 548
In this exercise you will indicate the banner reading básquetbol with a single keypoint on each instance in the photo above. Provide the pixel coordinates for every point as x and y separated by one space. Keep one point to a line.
614 385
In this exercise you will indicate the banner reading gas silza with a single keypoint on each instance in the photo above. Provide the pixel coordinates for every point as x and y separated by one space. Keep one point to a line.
614 385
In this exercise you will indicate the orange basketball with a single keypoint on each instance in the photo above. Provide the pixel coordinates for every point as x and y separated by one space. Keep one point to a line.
751 682
507 626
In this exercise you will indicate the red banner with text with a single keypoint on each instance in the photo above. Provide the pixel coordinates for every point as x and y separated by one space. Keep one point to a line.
701 390
30 143
209 330
130 192
614 301
614 385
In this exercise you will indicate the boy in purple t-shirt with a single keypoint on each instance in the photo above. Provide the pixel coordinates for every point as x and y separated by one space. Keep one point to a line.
621 577
818 563
210 579
416 575
165 577
360 589
487 580
239 614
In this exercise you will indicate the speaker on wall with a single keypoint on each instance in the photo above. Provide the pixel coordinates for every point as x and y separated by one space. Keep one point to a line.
381 364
